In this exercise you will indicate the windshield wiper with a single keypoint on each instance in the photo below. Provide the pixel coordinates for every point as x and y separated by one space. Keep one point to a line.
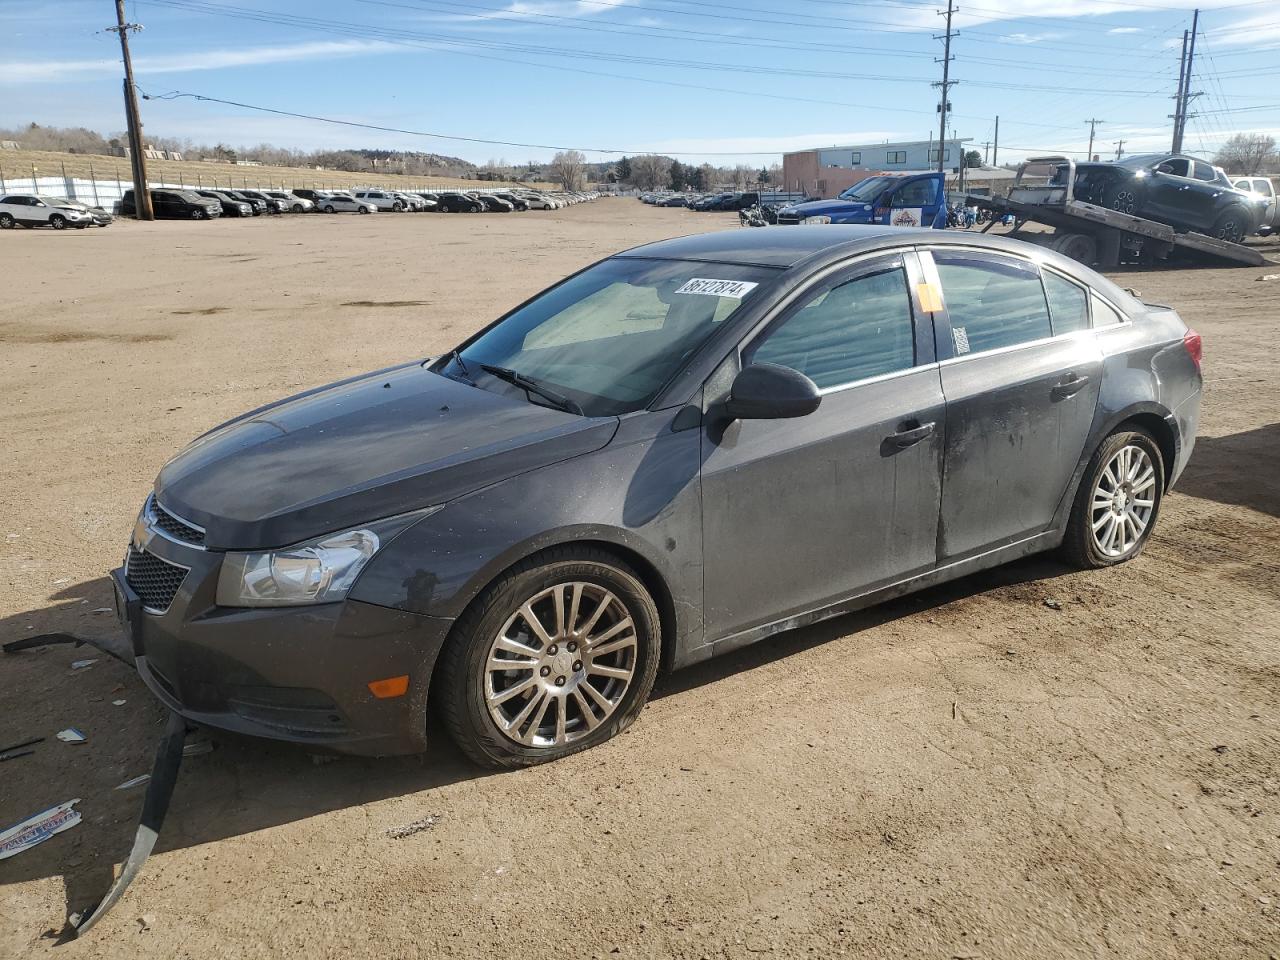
456 357
529 385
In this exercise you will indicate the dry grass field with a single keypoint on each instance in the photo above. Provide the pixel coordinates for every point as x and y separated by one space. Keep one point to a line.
17 164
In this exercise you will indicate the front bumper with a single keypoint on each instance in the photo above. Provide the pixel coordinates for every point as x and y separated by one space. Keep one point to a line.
298 674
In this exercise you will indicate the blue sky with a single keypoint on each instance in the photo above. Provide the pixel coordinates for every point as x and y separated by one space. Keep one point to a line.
719 80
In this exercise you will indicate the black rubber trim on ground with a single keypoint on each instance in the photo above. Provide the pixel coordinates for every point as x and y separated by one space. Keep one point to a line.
164 774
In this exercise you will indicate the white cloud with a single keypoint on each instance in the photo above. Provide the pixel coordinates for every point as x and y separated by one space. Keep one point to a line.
1262 28
1125 30
38 71
742 147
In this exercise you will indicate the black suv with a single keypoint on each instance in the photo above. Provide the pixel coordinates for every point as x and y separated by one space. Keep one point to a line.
1186 193
174 205
460 203
231 207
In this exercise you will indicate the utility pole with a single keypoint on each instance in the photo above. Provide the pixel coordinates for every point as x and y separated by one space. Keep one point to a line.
946 84
1119 145
995 145
986 153
141 197
1092 126
1185 96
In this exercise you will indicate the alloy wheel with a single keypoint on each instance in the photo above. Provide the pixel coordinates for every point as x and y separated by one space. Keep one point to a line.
1123 502
1124 201
6 221
57 222
561 664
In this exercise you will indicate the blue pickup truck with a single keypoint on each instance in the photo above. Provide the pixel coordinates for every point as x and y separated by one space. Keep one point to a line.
901 199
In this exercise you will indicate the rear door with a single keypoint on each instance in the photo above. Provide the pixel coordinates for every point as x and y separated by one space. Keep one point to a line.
1020 388
798 514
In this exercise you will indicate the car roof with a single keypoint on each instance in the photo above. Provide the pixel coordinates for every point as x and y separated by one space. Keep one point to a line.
786 246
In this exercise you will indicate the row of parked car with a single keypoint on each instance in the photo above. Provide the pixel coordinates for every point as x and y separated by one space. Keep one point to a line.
201 204
39 210
731 200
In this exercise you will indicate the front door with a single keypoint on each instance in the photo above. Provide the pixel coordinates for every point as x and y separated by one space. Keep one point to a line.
798 514
916 202
1020 391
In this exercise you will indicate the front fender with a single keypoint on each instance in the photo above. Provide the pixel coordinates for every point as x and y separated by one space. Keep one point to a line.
640 494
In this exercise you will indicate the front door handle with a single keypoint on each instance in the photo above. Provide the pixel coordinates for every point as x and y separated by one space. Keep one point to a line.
1069 387
912 435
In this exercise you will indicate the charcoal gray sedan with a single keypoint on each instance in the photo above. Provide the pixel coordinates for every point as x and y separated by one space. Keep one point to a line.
682 449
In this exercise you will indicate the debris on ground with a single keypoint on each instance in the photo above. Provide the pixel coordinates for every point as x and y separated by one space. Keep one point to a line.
1053 604
42 640
196 748
81 664
71 735
39 828
1221 748
409 829
1269 276
146 921
135 782
118 703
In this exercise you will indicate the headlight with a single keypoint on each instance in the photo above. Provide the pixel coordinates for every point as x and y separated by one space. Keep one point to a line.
818 219
318 571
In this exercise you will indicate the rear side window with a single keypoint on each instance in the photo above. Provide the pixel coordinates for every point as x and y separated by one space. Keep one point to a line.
993 302
1068 304
859 329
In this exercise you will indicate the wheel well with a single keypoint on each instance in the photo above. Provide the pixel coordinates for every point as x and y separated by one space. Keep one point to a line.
648 574
1161 432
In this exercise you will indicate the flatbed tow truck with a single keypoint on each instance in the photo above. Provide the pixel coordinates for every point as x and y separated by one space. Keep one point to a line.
1092 234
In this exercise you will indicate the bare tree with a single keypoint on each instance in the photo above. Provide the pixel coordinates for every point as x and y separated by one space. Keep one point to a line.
650 171
1247 153
566 167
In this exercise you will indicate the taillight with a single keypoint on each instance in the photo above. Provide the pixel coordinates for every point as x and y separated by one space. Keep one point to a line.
1194 346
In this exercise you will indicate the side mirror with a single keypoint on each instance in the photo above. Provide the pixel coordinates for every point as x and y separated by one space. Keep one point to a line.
767 391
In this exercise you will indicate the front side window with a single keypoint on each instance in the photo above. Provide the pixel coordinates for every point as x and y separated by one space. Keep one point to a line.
993 302
1068 304
917 193
856 330
1175 166
612 336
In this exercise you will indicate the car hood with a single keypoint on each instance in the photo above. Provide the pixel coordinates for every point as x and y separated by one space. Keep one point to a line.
374 446
829 208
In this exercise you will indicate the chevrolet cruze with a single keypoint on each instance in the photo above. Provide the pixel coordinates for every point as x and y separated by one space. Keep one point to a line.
680 450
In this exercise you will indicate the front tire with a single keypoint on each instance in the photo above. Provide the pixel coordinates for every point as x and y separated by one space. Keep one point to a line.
557 655
1231 225
58 222
1118 501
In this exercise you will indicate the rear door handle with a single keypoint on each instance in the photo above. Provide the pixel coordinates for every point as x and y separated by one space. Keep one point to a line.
910 436
1069 388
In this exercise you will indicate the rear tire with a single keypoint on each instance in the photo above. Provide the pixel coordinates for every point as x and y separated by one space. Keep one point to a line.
1122 196
551 709
7 222
1118 502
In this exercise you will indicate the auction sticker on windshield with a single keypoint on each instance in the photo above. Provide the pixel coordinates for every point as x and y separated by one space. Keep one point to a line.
735 289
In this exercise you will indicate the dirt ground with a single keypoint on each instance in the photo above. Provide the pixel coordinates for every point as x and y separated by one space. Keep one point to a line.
1029 763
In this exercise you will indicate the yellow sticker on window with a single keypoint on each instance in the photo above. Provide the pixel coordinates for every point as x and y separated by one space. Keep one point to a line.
930 297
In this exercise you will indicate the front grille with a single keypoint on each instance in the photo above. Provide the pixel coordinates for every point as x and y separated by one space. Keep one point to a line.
155 581
176 528
788 219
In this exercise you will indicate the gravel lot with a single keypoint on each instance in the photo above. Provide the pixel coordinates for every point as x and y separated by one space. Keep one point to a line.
1032 762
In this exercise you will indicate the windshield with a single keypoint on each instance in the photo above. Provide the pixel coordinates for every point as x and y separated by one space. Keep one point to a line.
867 189
1141 161
612 336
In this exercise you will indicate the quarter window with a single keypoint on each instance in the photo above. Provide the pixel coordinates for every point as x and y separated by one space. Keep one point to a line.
1068 304
992 302
1104 315
850 332
1205 172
